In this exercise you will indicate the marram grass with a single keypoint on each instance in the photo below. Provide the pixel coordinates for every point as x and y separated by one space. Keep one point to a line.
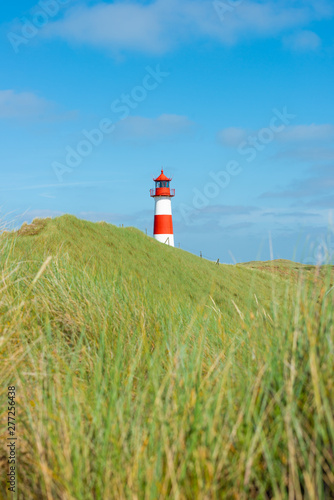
144 372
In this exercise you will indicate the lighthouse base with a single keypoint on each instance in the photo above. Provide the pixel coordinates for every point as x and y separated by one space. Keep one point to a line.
168 239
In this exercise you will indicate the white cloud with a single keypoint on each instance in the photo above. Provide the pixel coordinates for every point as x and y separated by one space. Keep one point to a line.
306 133
48 186
22 105
137 127
232 137
302 41
160 25
308 152
117 26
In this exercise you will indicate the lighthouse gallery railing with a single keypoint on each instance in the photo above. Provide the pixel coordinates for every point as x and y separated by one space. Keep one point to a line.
153 192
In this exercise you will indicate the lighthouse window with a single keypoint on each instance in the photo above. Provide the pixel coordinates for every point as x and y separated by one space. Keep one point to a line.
162 184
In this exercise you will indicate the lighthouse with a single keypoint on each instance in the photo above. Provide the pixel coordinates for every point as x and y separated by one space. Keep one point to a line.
163 224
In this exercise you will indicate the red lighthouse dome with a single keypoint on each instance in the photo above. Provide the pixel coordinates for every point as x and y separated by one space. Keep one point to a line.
162 186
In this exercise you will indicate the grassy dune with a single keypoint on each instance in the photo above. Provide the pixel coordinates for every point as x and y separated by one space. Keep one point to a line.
144 372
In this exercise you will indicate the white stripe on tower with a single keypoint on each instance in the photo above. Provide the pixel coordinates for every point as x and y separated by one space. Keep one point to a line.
163 205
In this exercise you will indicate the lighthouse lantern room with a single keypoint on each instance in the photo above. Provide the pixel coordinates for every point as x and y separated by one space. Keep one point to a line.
163 223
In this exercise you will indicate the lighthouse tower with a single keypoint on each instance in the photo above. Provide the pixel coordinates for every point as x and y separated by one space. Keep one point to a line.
163 224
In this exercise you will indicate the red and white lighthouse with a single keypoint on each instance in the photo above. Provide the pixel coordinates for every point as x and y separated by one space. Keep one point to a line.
163 223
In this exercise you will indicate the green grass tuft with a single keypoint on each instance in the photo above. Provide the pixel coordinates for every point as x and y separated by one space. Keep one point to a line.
144 372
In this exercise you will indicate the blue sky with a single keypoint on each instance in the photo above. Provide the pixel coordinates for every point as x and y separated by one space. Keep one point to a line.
233 98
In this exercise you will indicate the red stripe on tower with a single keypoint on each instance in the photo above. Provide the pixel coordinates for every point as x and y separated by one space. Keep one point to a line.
163 223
